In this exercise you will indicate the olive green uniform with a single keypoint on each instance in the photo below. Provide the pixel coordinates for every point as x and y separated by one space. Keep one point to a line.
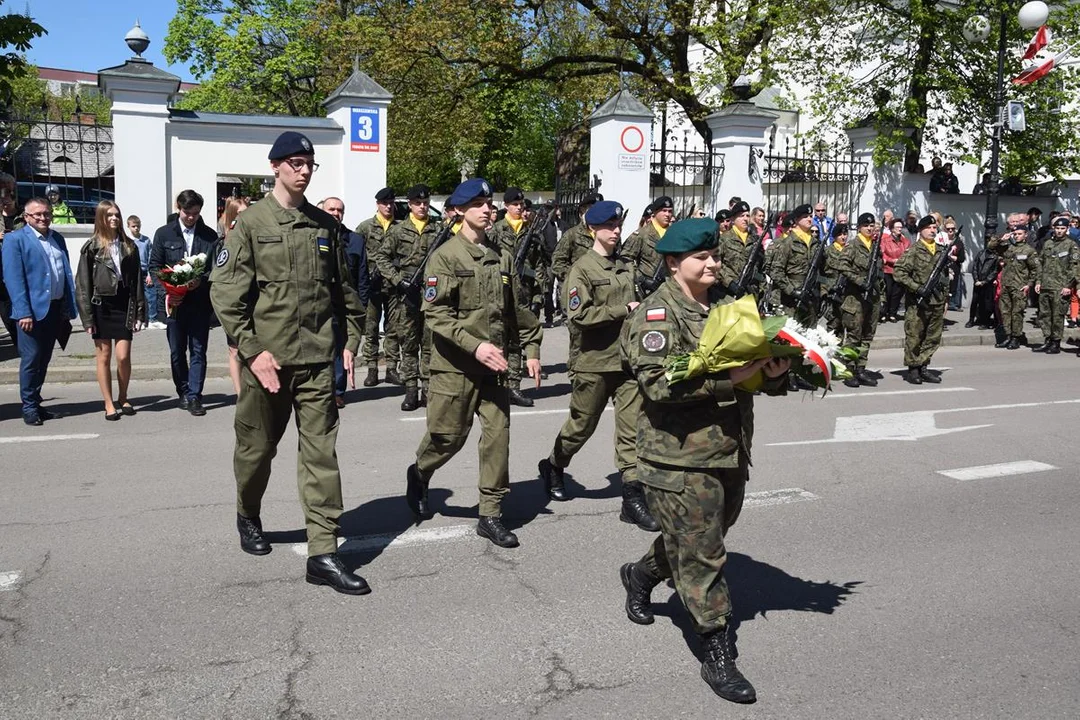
503 236
640 251
860 317
597 292
790 261
693 444
830 276
277 284
922 323
733 252
469 293
1018 273
574 243
1057 270
401 253
380 293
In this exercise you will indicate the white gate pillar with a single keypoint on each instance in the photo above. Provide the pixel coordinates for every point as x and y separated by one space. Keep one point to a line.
620 139
359 106
738 131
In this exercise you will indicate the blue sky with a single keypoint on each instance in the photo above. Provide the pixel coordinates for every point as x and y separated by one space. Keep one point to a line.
88 35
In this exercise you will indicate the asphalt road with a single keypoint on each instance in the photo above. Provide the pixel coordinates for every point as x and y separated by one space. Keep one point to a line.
866 583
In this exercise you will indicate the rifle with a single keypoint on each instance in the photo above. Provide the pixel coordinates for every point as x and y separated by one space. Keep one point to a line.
751 272
411 288
835 295
811 276
533 233
648 286
930 286
873 270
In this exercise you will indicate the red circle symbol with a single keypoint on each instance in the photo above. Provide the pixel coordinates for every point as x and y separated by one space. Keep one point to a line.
632 138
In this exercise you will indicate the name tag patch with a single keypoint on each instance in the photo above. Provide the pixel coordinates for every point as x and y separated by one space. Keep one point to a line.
655 314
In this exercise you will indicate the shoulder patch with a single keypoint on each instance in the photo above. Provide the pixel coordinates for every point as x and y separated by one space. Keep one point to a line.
575 302
654 341
222 257
430 293
433 281
655 314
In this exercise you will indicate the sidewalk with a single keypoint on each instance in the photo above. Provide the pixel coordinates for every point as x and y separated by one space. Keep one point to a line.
150 350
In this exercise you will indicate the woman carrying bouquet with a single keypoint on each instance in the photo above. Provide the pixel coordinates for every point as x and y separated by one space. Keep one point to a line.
599 296
693 448
109 294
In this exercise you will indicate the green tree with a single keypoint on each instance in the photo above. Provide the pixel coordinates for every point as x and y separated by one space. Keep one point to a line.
17 33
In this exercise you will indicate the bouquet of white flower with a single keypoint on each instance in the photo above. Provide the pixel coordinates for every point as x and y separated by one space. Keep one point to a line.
179 279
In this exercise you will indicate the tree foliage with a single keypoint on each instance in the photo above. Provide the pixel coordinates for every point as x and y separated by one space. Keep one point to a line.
17 33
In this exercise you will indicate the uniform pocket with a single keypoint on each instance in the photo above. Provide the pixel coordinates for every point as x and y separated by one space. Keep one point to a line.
272 258
468 289
672 479
449 396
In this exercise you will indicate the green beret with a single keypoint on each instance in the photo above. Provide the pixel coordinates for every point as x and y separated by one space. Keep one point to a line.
689 235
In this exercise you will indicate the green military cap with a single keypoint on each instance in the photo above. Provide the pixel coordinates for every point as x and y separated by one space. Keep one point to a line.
689 235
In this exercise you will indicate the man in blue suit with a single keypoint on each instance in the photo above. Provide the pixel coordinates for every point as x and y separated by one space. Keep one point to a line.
38 277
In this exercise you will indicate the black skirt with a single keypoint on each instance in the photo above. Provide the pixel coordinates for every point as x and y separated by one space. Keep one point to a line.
110 317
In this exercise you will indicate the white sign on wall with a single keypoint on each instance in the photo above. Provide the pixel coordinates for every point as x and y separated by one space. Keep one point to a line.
631 162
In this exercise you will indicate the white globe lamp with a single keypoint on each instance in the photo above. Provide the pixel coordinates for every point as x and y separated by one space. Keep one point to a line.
1033 14
976 29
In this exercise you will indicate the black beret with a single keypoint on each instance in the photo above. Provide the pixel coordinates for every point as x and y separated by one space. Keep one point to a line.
722 215
739 208
590 199
1061 221
513 194
290 143
689 235
867 219
663 203
528 203
839 229
927 222
802 211
385 195
419 192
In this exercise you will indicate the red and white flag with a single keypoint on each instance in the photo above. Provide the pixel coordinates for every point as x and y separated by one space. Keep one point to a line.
1042 39
1035 72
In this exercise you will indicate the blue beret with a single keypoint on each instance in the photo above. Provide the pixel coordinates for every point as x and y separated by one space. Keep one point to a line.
689 236
602 212
468 191
291 143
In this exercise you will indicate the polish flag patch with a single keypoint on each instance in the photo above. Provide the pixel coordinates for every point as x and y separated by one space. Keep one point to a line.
655 314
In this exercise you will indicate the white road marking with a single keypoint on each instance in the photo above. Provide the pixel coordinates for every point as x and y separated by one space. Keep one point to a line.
47 438
450 533
513 414
906 426
981 472
874 393
9 580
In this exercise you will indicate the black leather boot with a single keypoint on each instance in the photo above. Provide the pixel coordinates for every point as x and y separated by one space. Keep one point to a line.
372 378
553 480
251 537
634 509
1004 342
412 399
913 376
1014 343
1055 347
392 377
519 398
929 375
639 583
852 382
328 570
865 378
492 529
416 494
719 671
1045 347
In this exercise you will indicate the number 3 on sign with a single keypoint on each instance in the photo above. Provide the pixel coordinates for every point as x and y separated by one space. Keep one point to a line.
364 128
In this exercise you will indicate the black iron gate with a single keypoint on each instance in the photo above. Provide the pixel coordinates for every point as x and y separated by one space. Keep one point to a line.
688 177
799 175
76 156
572 182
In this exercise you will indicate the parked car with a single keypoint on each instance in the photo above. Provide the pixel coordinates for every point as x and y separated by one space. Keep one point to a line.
82 201
401 211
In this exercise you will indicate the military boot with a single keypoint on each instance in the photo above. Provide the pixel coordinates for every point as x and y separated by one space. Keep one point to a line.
493 529
554 483
1004 342
251 537
634 508
412 399
719 671
392 377
1014 343
929 375
519 398
329 570
372 378
913 376
1045 347
639 583
865 378
852 382
1055 348
416 494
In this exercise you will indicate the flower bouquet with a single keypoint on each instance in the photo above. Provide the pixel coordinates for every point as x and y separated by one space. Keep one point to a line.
179 279
735 334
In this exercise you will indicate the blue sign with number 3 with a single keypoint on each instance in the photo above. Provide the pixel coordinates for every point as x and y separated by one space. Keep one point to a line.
364 131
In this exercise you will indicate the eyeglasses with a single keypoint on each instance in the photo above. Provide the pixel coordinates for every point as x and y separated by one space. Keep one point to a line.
950 229
112 215
40 215
299 164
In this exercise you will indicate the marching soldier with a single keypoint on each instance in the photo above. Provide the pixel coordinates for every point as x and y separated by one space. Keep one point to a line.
373 230
506 234
1019 271
402 251
924 317
277 285
640 247
859 315
469 305
1057 262
599 296
831 284
574 243
694 450
735 247
791 258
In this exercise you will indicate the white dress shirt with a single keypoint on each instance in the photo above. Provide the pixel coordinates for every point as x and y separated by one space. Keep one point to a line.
189 237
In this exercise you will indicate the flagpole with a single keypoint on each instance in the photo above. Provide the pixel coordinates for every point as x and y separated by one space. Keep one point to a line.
991 224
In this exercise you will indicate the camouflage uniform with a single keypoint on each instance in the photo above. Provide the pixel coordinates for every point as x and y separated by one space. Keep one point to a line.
640 251
1021 267
922 323
790 261
733 253
378 308
693 444
1057 262
830 275
860 317
400 254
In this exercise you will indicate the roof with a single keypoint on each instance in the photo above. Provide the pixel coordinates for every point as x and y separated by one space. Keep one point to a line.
65 150
80 76
359 85
139 68
622 103
280 121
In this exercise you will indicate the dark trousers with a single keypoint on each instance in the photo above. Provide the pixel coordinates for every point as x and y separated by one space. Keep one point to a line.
188 332
340 377
11 325
35 352
894 293
983 307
